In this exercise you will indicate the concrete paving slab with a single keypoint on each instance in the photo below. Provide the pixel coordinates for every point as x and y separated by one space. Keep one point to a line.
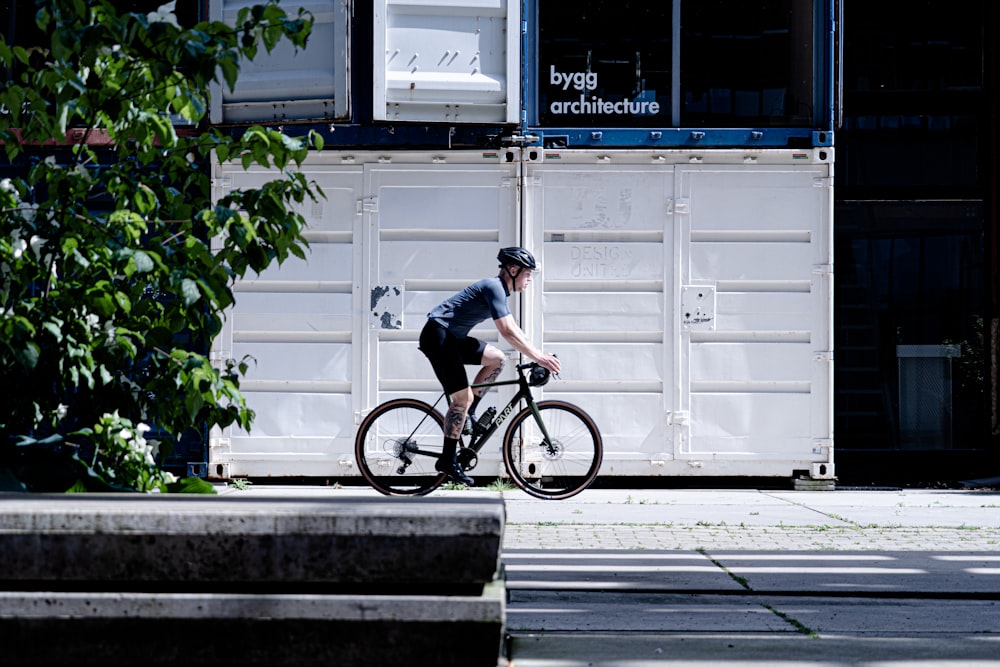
917 507
563 611
869 616
888 573
767 650
614 570
690 508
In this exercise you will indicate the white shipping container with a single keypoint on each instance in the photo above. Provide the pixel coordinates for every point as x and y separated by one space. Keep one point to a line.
447 61
288 84
687 293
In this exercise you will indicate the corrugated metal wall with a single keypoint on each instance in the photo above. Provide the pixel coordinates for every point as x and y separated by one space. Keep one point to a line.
690 303
686 289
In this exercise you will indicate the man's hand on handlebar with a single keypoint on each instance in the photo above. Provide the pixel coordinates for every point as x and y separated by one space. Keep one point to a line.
551 362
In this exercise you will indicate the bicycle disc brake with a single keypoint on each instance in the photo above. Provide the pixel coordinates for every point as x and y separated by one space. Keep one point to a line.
552 450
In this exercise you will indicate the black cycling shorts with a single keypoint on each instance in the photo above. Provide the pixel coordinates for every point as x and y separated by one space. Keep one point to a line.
449 355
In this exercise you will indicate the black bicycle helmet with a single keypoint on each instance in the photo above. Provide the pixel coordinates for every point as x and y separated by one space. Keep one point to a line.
518 257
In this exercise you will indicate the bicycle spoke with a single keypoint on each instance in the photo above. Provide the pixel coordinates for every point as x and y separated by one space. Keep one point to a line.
557 466
397 447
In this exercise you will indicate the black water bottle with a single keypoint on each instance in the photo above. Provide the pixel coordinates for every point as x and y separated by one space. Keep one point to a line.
485 420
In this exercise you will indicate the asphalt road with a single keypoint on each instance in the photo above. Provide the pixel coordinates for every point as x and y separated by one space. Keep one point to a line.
820 578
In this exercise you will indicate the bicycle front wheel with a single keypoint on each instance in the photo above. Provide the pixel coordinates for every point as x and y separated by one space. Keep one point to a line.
397 446
554 454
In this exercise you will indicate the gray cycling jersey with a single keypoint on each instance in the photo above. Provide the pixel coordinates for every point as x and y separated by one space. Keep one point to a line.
483 299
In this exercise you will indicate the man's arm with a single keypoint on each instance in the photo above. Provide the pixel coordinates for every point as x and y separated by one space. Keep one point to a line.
512 334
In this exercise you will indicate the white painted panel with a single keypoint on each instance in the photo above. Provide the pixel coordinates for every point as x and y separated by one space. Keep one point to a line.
751 262
756 387
761 311
309 84
605 239
452 61
297 322
743 426
604 311
433 226
749 362
314 419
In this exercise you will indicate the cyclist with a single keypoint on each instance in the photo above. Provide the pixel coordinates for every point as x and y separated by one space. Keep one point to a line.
446 342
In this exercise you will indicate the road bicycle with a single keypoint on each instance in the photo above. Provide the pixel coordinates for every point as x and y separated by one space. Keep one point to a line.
551 449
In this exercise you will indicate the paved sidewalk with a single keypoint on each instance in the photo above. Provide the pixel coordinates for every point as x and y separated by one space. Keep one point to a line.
905 520
672 519
690 578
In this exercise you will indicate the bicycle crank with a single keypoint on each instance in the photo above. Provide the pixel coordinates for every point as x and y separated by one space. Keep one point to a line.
467 458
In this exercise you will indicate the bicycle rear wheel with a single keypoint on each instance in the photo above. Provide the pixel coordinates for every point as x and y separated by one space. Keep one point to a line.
397 446
557 467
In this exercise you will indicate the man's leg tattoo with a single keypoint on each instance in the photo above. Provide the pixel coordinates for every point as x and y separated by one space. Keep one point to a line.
453 423
490 378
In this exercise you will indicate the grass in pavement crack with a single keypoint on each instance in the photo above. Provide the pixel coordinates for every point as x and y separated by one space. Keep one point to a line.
738 579
798 625
795 623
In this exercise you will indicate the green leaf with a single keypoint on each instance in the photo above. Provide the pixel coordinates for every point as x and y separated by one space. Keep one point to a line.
29 354
190 485
189 290
123 301
143 262
53 329
78 487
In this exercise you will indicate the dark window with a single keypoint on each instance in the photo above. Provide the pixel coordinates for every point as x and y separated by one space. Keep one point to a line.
747 64
913 100
610 64
913 282
604 64
911 291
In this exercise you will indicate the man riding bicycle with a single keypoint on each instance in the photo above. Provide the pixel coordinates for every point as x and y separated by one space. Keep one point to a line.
446 342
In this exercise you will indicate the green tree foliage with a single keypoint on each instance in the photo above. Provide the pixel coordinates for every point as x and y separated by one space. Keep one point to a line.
115 273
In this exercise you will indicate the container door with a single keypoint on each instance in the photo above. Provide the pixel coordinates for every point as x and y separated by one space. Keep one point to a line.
754 307
298 324
448 61
285 85
605 226
433 224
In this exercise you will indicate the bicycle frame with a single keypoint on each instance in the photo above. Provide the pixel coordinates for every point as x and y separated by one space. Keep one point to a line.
523 393
553 460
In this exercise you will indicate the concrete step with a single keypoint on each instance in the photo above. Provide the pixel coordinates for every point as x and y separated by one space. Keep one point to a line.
345 580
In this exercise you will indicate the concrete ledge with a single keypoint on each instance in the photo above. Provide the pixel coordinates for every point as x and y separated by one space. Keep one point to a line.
194 542
344 580
195 629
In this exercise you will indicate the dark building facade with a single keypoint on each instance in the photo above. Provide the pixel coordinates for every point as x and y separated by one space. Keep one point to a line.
916 238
